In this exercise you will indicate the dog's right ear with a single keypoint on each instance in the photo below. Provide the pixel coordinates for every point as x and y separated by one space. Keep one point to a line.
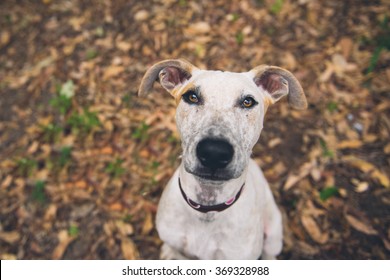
170 73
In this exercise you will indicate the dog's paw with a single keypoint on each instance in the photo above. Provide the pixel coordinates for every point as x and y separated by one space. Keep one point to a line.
168 253
265 256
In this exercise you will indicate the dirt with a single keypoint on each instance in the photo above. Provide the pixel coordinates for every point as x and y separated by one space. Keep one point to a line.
80 177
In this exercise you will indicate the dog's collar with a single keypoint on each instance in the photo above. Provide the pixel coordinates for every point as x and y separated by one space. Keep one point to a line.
209 208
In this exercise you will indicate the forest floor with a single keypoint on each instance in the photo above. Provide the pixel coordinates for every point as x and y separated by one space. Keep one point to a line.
83 160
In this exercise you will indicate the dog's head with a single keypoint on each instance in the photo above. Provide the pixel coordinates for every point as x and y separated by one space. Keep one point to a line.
220 114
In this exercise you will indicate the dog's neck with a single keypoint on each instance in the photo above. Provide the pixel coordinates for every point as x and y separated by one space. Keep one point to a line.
207 192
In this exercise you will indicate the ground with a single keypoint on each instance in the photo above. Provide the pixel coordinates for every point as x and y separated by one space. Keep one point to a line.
83 160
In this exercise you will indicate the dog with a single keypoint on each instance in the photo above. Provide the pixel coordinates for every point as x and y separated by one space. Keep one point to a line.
218 204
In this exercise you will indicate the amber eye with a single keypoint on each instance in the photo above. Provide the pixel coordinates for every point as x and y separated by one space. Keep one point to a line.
248 102
191 97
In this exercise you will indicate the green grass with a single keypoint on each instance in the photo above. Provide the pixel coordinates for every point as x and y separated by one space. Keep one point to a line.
73 231
38 192
141 132
328 192
51 132
65 156
63 100
277 6
26 166
381 43
91 54
240 38
84 122
332 106
115 169
325 150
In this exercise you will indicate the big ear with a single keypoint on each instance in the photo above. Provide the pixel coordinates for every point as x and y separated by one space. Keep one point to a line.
170 73
279 82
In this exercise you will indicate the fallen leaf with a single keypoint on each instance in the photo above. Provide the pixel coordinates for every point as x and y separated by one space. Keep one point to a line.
112 71
368 168
141 15
295 178
124 229
314 230
10 237
198 28
148 224
349 144
361 226
129 250
63 241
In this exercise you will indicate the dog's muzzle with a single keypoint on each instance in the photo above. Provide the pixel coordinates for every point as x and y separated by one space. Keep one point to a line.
214 156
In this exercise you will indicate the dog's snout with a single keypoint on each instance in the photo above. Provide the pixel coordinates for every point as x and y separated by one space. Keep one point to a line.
213 153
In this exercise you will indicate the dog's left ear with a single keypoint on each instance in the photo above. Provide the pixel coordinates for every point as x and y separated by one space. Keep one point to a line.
278 82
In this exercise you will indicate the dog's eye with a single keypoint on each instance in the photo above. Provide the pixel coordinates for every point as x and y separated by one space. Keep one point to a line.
191 97
248 102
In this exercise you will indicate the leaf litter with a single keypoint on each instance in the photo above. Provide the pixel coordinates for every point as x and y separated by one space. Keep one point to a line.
83 160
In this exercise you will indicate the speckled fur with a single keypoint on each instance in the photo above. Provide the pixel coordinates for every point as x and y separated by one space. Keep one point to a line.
252 226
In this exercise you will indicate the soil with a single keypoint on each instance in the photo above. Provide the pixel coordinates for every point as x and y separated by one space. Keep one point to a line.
81 176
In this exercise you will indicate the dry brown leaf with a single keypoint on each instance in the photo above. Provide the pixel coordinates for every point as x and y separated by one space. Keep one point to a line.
129 249
148 224
368 168
112 71
63 241
116 206
141 15
349 144
386 149
346 45
51 212
8 257
295 178
198 28
4 38
10 237
361 226
6 182
314 230
124 229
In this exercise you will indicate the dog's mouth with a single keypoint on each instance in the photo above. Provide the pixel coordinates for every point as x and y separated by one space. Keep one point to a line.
212 174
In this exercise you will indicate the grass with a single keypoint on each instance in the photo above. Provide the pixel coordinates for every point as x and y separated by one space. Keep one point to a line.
73 231
325 150
328 192
84 122
381 42
240 38
65 155
332 106
26 166
141 132
91 54
63 100
115 169
51 132
38 192
277 6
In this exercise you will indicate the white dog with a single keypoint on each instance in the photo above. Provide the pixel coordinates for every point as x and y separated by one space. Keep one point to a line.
218 205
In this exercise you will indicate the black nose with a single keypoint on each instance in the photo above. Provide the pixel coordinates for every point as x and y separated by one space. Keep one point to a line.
214 153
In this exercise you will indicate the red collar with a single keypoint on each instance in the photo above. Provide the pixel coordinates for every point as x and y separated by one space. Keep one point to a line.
208 208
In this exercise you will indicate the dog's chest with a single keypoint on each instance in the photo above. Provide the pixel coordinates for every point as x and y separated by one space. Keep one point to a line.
220 238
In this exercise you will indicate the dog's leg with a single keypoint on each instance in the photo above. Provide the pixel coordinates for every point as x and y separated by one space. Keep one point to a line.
168 253
273 230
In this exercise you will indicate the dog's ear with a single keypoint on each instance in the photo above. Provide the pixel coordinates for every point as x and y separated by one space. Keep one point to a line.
170 73
279 82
